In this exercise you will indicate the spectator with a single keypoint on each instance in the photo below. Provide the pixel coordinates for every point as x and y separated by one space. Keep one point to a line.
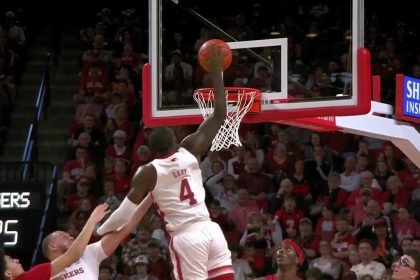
120 147
406 226
368 182
308 239
406 244
217 215
240 266
382 173
159 267
395 196
206 164
325 226
326 262
349 178
238 215
289 217
236 165
136 246
256 182
285 190
110 197
386 246
367 266
222 187
343 242
143 156
407 267
142 269
301 183
335 197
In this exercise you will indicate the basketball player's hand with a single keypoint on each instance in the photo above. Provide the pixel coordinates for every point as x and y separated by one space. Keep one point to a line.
215 59
99 213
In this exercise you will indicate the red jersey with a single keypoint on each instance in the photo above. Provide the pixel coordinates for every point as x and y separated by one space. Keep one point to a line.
288 220
39 272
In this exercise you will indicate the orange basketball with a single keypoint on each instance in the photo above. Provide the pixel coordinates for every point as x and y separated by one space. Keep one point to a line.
203 53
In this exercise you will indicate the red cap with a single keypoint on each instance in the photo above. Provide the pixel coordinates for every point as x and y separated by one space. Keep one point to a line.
298 250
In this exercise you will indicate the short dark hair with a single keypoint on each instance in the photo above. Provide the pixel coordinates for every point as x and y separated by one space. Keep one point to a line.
367 241
2 264
416 257
160 140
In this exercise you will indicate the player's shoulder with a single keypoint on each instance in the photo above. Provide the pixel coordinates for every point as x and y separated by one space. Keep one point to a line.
146 168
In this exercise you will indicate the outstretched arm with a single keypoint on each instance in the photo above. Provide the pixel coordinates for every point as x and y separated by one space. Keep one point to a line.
111 241
143 182
78 247
199 141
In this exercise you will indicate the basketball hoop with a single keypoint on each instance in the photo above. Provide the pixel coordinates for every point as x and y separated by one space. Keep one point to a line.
240 101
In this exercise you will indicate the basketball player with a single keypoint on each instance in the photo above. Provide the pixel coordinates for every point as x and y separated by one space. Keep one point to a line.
198 247
12 269
289 258
57 243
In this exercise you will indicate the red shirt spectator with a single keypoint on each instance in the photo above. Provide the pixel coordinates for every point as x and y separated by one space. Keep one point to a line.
395 194
121 178
257 183
405 226
343 241
325 226
119 149
73 200
289 217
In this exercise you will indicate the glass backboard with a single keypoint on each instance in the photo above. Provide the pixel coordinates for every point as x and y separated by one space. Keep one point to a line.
307 59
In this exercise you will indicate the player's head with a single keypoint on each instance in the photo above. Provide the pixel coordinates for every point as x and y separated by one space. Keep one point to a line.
289 255
9 268
162 140
56 243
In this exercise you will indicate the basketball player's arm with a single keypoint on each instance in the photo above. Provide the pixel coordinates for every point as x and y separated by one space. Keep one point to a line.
112 240
199 141
78 247
142 183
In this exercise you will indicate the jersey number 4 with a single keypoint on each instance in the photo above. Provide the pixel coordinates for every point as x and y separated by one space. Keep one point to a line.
186 192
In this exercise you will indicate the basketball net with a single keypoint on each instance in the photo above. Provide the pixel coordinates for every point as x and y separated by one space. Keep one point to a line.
239 101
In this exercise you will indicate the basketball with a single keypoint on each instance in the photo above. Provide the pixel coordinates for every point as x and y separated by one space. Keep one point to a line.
203 53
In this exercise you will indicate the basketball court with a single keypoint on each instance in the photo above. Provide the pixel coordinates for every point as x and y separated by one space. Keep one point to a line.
329 89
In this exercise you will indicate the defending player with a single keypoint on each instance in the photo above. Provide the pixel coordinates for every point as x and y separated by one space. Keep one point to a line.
57 243
198 247
12 269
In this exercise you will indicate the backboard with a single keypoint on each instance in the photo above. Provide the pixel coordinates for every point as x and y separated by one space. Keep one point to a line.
308 60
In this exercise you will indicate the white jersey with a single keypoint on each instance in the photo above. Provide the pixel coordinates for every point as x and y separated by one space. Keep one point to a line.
179 193
87 267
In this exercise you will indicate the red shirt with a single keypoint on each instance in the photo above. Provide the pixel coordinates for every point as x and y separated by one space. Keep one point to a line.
111 151
287 220
376 193
408 178
38 272
401 198
325 228
74 167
